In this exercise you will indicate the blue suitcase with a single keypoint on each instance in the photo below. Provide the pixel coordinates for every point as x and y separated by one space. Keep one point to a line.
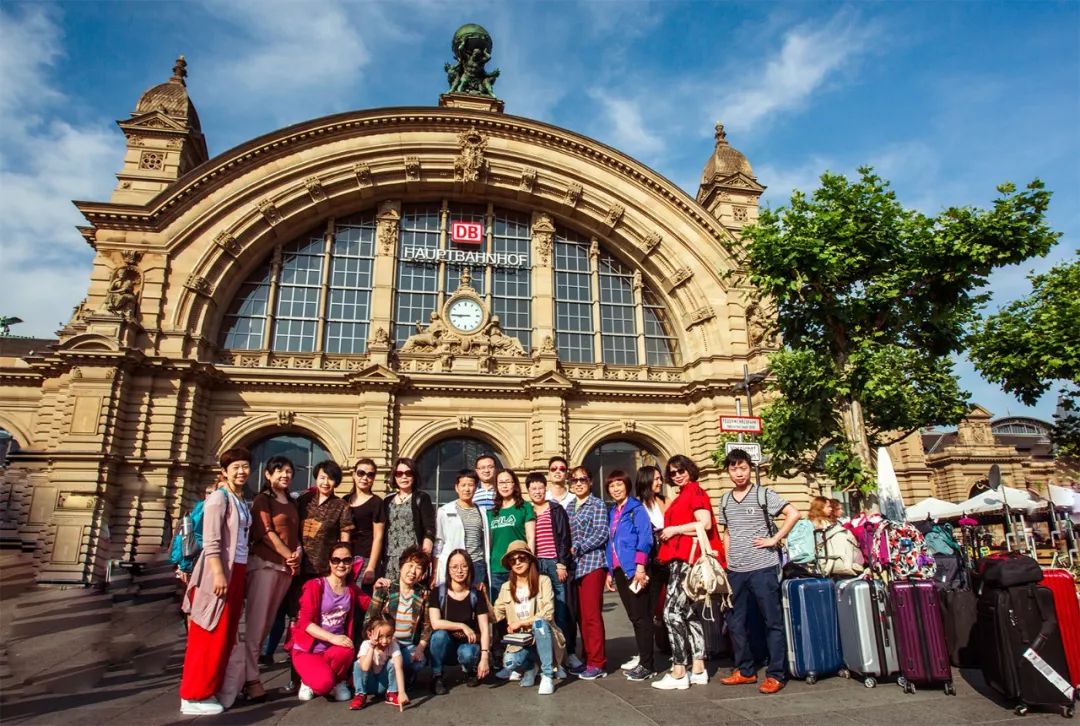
812 626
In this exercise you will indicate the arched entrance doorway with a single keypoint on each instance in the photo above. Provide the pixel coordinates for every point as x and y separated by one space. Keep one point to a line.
304 452
440 462
8 445
624 454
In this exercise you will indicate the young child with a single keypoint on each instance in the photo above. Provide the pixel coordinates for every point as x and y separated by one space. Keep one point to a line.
379 667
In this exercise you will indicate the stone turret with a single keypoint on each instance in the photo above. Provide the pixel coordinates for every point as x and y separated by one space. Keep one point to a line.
729 189
164 140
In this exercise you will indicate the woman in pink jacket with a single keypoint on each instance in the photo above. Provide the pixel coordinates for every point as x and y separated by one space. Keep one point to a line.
215 594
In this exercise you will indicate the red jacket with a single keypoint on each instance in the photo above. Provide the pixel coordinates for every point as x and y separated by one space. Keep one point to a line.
310 612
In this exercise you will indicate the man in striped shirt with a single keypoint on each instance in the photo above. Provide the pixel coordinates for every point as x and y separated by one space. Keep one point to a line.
486 470
753 554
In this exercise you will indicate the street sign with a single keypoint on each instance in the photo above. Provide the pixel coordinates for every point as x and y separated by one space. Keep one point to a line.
467 233
751 447
741 424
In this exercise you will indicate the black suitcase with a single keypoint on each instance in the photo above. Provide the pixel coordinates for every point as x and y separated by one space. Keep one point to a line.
958 609
1023 656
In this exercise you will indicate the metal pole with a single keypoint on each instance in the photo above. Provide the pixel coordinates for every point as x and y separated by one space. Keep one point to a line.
750 412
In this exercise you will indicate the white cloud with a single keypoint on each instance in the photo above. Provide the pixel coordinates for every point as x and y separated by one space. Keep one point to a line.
808 57
44 164
626 130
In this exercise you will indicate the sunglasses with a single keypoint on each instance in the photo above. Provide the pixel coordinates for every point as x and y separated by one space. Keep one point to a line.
519 558
403 473
579 480
341 560
365 474
557 468
676 472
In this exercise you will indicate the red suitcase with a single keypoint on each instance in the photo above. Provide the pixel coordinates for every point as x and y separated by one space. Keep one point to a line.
1062 585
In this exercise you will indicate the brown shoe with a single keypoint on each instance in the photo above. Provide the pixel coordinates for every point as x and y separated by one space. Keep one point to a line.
771 685
738 679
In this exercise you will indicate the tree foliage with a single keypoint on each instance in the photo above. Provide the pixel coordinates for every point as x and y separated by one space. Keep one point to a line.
872 299
1031 343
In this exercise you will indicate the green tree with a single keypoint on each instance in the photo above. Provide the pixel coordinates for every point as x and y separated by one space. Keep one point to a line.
872 299
1031 343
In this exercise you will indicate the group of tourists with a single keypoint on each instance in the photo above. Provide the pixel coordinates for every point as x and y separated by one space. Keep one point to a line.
506 580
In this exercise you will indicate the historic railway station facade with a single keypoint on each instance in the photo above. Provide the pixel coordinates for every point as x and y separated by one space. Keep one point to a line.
428 282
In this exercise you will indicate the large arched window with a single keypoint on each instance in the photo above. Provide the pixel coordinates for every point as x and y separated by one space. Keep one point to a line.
440 463
304 452
313 295
618 454
8 445
604 312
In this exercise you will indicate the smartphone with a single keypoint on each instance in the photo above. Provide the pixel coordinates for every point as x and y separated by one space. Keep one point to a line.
635 587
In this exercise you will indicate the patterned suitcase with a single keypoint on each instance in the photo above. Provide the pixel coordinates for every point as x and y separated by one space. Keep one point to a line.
812 628
866 635
920 634
1063 586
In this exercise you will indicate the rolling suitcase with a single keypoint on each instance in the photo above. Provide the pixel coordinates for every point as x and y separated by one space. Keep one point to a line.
920 634
866 636
812 629
1023 657
958 610
1063 586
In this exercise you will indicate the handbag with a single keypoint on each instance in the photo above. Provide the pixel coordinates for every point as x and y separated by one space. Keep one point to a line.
706 579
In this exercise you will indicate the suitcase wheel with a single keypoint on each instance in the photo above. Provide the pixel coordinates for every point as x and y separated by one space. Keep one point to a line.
950 689
1021 710
869 681
844 673
902 682
811 679
1068 711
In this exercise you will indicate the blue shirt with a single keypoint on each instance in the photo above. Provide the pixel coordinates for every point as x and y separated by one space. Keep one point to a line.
588 535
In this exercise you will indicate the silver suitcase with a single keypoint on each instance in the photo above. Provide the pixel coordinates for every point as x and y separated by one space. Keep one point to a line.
866 636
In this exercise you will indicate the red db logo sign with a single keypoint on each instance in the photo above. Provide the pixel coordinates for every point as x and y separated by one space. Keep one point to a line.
467 233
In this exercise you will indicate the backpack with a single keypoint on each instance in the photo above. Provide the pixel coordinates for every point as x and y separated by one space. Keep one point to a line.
185 550
770 525
908 556
706 579
875 552
940 540
474 598
800 543
840 555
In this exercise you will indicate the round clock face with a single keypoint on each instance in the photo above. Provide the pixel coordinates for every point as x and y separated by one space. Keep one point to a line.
465 315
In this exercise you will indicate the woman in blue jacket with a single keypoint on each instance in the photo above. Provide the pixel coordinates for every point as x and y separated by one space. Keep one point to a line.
630 540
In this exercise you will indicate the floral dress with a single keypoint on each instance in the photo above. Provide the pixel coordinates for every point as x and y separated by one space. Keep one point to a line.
400 535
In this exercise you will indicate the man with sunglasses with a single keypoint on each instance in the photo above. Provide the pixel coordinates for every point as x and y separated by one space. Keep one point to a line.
558 489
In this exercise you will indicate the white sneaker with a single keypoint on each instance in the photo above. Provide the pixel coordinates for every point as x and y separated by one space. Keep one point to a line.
515 675
504 674
547 686
574 662
670 683
208 707
631 664
305 693
341 692
699 679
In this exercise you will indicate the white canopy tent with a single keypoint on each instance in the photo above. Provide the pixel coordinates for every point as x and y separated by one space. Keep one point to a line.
992 501
934 509
1064 498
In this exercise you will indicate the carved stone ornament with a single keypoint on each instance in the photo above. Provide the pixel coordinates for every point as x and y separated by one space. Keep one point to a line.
681 275
573 194
388 221
501 344
285 417
135 140
629 425
430 339
739 214
650 243
614 214
363 175
121 298
594 250
200 285
470 164
227 242
543 237
315 189
464 422
637 280
528 180
759 327
380 339
412 168
702 314
270 212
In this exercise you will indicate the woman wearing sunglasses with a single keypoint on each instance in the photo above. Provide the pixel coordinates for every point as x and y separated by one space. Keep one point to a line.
527 604
368 525
690 511
322 651
588 539
409 516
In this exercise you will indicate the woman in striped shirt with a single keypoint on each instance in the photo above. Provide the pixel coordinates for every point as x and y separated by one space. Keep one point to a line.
553 551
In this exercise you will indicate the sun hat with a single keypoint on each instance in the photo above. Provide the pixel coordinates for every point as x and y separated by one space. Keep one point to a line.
516 547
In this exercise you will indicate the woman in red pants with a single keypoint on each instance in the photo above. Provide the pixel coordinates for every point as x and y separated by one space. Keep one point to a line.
322 651
215 595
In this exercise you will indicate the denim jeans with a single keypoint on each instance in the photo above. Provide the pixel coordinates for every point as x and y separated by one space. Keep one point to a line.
541 649
479 576
410 666
371 683
564 618
760 589
444 650
497 581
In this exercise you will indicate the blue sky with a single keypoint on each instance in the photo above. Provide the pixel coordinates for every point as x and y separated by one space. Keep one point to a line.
946 99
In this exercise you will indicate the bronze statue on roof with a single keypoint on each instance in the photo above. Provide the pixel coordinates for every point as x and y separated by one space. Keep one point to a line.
472 48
